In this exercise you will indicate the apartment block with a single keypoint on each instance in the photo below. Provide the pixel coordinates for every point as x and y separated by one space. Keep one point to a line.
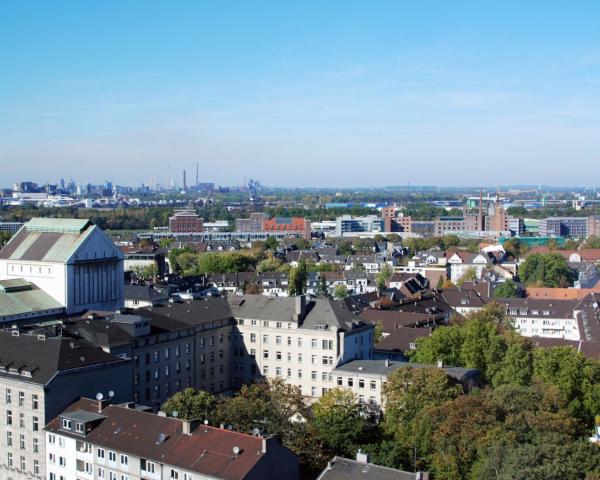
91 440
298 340
39 377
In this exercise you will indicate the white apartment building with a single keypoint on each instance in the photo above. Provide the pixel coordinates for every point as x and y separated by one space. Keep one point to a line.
367 379
460 262
71 260
298 340
39 377
91 440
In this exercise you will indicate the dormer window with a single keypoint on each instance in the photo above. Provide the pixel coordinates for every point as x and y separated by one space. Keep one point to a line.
79 427
67 424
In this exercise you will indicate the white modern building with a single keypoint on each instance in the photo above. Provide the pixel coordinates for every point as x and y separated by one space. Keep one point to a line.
71 260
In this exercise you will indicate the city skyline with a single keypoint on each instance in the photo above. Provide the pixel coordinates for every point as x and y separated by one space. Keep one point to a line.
301 95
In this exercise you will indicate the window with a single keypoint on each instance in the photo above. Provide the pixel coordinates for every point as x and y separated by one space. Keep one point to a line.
350 382
124 459
174 474
34 402
265 354
51 438
21 399
112 456
299 358
66 423
62 461
278 355
8 417
313 343
361 383
252 337
21 420
51 458
278 371
61 442
101 453
265 339
100 473
373 385
35 424
278 340
9 460
278 325
36 467
265 370
79 427
8 396
22 442
36 445
9 439
299 341
313 375
313 359
146 465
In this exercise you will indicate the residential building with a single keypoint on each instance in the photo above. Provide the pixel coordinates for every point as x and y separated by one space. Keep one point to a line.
186 221
137 256
344 469
71 260
137 296
172 346
298 340
39 377
91 440
460 262
367 379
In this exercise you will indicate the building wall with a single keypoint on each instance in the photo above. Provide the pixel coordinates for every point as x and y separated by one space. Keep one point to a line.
547 327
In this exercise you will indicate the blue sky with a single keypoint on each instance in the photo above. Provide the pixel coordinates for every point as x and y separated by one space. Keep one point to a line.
301 93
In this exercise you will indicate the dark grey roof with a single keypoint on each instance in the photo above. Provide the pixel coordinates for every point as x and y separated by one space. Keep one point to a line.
345 469
193 312
143 292
83 416
37 358
318 311
386 367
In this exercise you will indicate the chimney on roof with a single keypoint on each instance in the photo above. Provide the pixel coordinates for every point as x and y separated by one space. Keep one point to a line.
300 309
362 457
188 426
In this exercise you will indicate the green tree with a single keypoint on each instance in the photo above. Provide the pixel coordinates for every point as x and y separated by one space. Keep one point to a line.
340 291
337 417
271 243
269 264
146 272
378 331
469 276
546 270
303 244
592 242
408 391
440 282
322 285
506 289
445 344
191 404
384 276
297 279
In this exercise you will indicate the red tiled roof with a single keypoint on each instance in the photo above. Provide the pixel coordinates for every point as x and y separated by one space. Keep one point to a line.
207 450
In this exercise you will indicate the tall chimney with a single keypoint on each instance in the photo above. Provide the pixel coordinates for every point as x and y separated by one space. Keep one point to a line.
184 181
300 307
197 181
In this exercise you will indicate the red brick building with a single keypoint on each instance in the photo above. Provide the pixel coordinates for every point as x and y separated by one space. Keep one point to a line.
292 225
186 221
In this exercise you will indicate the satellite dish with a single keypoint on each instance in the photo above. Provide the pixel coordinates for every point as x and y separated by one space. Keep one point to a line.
205 422
99 396
236 450
175 413
255 432
111 394
161 414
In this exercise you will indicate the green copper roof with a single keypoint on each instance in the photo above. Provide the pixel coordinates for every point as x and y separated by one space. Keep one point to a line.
24 300
57 225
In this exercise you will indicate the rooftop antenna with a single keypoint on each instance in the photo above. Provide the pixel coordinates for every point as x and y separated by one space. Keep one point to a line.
175 413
